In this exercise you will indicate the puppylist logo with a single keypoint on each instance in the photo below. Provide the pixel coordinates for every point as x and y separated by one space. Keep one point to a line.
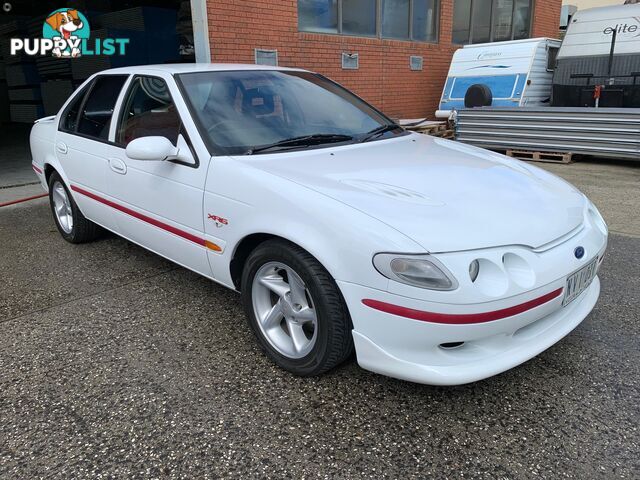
66 34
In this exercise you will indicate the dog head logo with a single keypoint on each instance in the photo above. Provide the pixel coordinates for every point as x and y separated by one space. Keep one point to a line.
67 27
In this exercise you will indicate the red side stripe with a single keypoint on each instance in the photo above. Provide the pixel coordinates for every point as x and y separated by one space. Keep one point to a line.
461 319
140 216
36 169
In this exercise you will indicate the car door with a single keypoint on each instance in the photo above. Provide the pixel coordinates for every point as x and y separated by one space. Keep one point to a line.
82 144
158 204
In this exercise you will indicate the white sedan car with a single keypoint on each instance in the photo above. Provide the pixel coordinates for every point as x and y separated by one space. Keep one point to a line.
437 262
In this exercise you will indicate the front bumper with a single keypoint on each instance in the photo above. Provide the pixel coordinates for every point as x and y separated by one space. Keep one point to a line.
411 350
507 315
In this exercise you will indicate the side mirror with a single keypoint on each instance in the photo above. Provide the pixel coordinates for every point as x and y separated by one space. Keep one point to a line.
151 148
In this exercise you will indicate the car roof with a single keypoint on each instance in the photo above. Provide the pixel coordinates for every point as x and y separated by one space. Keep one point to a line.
174 68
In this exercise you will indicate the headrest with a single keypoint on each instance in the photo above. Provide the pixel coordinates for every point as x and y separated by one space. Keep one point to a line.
258 100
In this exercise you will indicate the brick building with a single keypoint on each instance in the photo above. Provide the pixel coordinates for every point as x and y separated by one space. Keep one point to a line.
384 34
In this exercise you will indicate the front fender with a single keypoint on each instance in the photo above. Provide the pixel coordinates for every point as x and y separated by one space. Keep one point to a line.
252 201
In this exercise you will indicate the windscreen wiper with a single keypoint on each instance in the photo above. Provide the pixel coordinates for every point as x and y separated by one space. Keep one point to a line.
302 141
376 132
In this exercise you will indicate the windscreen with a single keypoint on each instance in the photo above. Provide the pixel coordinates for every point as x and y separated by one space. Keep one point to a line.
240 111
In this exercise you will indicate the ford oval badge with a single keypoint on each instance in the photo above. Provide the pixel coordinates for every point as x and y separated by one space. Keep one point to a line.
579 252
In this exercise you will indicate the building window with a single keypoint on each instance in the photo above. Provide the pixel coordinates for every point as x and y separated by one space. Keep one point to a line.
425 20
414 20
359 17
318 16
502 21
461 21
522 19
479 21
395 19
481 25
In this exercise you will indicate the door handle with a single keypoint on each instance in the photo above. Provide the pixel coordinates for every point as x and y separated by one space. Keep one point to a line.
62 147
118 166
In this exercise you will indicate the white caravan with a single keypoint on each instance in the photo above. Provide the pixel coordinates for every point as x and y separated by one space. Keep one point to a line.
600 57
500 74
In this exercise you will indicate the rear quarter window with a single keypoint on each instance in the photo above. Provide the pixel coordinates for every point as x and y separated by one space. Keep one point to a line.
69 118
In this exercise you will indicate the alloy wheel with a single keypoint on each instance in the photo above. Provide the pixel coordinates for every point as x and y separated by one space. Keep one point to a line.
284 310
62 207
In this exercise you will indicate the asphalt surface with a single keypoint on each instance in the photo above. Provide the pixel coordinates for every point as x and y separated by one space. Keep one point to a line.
612 185
116 363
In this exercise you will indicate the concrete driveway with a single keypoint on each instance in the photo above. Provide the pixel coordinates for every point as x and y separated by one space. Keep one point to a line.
117 363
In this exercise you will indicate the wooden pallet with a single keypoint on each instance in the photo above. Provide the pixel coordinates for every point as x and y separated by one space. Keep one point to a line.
448 134
434 128
549 157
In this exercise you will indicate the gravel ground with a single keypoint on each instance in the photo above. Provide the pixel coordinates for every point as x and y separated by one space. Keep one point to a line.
117 363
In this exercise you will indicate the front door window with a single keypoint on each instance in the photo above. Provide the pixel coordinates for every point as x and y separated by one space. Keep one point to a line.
148 111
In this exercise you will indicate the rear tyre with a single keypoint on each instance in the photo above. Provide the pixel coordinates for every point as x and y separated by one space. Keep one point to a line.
72 225
295 309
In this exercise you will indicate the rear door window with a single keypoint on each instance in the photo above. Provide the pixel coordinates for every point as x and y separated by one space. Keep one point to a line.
96 113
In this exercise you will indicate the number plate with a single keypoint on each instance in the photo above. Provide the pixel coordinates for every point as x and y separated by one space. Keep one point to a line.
577 282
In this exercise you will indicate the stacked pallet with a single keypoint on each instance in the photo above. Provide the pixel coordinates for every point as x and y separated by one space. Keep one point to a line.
23 81
11 70
152 33
29 94
184 29
86 65
53 67
439 129
4 102
54 94
535 156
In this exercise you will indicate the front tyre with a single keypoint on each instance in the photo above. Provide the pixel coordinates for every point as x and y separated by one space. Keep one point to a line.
71 223
295 309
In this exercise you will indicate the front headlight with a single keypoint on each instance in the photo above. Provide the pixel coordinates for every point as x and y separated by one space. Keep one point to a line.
421 271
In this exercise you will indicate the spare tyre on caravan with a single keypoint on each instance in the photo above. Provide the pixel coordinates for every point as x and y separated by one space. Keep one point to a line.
599 60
